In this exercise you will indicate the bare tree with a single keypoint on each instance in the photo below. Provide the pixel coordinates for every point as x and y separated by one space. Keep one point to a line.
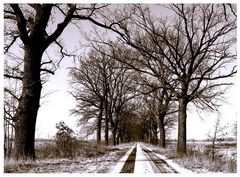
10 104
107 86
89 81
217 133
12 95
159 100
199 61
122 91
30 28
197 48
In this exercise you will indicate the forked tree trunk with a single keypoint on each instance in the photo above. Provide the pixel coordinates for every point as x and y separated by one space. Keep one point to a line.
182 128
28 104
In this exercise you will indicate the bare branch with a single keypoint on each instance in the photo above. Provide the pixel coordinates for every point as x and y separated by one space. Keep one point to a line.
61 26
21 22
11 93
13 77
47 62
47 70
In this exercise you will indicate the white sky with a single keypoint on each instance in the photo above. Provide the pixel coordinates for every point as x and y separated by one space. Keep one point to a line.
56 106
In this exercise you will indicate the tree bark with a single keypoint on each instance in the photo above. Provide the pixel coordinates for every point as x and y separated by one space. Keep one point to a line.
118 137
162 141
155 135
107 116
114 133
29 103
99 124
182 128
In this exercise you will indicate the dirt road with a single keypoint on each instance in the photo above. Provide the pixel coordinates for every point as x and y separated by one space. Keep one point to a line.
141 159
159 165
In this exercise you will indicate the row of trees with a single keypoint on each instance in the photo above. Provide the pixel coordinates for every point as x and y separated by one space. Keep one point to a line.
104 90
188 57
180 59
109 93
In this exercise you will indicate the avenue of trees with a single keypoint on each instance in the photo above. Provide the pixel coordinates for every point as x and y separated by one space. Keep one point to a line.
131 86
194 50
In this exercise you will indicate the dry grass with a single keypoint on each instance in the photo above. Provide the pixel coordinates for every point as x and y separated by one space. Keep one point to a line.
78 148
88 157
199 160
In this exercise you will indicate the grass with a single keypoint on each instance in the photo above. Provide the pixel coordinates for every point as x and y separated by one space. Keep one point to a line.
86 157
78 148
198 159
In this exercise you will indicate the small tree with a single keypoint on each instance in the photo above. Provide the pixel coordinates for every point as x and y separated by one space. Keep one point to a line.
65 139
218 133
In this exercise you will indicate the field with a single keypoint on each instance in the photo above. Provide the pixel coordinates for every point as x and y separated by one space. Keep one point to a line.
88 157
199 157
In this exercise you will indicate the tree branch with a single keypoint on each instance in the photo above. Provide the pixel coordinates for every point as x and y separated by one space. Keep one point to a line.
47 70
11 93
13 77
21 22
61 26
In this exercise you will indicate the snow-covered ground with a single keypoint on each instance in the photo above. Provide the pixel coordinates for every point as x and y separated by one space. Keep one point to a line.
177 167
100 164
112 161
142 164
118 167
199 161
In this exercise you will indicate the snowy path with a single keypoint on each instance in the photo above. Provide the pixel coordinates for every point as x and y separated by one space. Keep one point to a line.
158 164
141 159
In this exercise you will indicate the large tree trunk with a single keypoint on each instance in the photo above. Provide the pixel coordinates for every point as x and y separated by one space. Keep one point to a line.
182 128
162 141
29 104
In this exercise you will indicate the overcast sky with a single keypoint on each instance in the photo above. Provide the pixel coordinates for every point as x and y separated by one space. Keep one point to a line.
56 106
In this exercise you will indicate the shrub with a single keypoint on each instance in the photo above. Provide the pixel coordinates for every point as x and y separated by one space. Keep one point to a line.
65 141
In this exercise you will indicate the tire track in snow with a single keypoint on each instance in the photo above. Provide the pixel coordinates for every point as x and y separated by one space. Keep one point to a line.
129 165
141 159
121 162
159 165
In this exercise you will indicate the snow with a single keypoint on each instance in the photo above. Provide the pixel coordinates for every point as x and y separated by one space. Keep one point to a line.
142 164
121 162
99 164
107 163
178 168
